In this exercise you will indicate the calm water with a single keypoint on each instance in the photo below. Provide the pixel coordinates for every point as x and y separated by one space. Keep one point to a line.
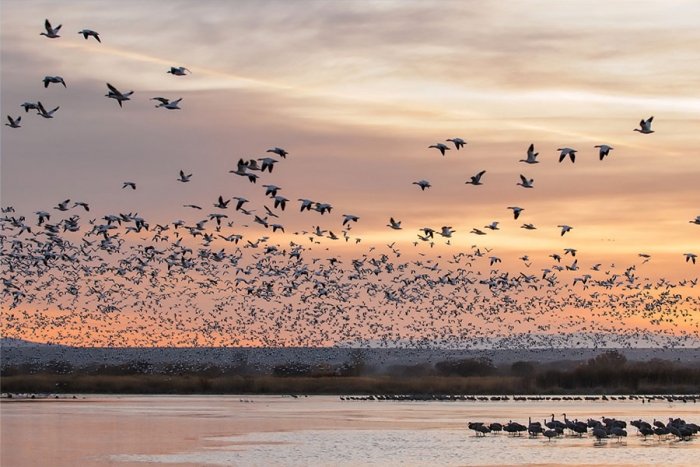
317 431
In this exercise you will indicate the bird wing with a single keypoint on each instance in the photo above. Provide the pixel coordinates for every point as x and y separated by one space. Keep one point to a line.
114 90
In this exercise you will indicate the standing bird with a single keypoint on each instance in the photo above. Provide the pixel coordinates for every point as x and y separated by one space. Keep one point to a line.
440 147
458 142
645 126
604 150
89 32
531 156
51 33
178 71
14 123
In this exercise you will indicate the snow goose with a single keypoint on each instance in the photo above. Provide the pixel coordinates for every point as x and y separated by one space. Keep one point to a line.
393 224
51 33
567 152
458 142
441 147
604 150
43 112
476 179
118 96
525 183
531 156
279 151
423 184
89 32
645 126
178 71
14 123
53 79
516 211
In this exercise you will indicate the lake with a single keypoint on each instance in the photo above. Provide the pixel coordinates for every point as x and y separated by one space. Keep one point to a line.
275 431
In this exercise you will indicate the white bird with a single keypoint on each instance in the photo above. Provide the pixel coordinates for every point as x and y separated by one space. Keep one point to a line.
267 163
531 155
306 204
43 112
442 147
63 206
494 259
394 225
645 126
516 211
446 231
528 227
89 32
184 178
172 105
280 201
458 142
51 33
14 123
30 106
423 184
690 257
476 179
178 71
279 151
695 221
53 79
240 202
131 185
271 190
525 182
118 96
604 150
492 226
241 170
567 152
564 229
478 232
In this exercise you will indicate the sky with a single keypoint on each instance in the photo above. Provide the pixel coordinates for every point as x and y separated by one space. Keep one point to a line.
356 92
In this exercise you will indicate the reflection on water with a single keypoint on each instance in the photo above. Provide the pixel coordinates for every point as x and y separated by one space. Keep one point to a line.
319 431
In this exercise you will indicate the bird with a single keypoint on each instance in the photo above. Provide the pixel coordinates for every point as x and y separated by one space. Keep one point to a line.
51 33
30 106
446 231
516 211
14 123
241 170
271 190
493 226
423 184
531 155
349 217
525 183
690 257
63 206
441 147
567 152
221 204
528 227
478 232
53 79
279 151
476 179
172 105
394 225
184 178
604 150
118 96
280 201
131 185
163 101
89 32
44 113
458 142
645 126
267 163
695 221
178 71
564 229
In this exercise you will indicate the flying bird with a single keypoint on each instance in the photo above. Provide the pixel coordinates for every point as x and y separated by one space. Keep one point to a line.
440 146
14 123
118 96
279 151
531 155
30 106
178 71
564 229
184 178
51 33
516 211
89 32
394 225
645 126
476 179
567 152
131 185
690 257
604 150
43 112
458 142
423 184
525 183
53 79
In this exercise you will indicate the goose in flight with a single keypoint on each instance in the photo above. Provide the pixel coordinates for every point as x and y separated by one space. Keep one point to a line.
184 178
567 152
178 71
476 179
131 185
280 201
348 218
44 113
525 183
14 123
63 206
306 204
279 151
423 184
695 221
531 155
271 190
241 170
172 105
118 96
221 204
53 79
440 146
604 150
690 257
51 33
394 225
89 32
30 106
528 227
645 126
446 231
478 232
267 163
458 142
564 229
516 211
493 226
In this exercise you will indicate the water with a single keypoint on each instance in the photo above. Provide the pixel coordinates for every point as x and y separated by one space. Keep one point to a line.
136 431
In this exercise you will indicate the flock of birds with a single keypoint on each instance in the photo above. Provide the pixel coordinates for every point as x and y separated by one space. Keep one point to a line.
121 279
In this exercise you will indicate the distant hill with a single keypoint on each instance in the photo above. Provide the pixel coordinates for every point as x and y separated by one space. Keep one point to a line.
11 342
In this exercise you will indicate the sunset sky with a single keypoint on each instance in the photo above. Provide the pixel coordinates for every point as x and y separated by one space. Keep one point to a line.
356 91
